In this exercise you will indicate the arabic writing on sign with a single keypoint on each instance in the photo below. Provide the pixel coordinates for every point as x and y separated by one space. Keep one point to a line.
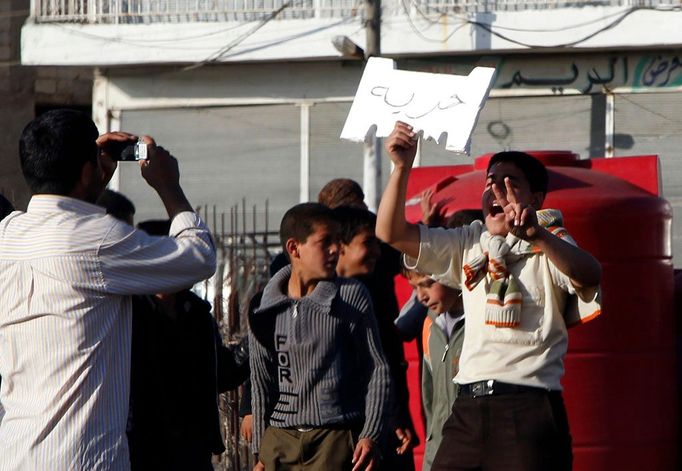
598 74
432 103
400 100
659 71
582 78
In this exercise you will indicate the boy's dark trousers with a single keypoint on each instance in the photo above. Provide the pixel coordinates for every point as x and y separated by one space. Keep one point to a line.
519 431
324 449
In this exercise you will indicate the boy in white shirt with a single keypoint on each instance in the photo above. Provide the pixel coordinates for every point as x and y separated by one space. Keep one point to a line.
518 273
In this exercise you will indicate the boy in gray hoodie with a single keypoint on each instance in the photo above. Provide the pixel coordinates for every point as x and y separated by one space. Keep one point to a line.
319 379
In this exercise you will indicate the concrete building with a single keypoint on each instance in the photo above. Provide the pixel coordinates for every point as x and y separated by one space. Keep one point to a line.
251 96
27 90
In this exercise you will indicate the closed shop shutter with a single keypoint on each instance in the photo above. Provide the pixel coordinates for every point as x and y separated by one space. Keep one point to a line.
650 123
225 154
531 123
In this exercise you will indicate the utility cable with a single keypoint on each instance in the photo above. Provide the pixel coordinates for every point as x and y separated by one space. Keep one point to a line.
224 50
492 29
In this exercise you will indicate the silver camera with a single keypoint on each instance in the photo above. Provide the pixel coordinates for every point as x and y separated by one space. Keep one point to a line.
130 152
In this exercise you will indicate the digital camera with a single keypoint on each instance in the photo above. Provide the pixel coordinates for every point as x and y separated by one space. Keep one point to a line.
125 152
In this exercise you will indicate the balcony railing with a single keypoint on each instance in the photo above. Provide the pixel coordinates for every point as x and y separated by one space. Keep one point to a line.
177 11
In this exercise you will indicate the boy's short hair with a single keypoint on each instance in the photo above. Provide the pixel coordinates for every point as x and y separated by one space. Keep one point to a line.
408 271
299 222
116 204
352 221
532 168
53 149
342 192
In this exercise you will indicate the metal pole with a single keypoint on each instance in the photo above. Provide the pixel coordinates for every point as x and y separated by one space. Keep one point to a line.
304 190
372 149
610 125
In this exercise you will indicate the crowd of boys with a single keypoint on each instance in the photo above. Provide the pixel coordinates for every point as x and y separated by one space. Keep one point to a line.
84 291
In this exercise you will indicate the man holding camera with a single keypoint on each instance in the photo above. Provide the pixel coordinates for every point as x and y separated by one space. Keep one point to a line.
67 271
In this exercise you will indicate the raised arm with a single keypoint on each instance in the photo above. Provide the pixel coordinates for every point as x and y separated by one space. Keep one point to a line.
392 227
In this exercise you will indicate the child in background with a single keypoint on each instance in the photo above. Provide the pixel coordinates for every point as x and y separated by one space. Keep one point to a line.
442 338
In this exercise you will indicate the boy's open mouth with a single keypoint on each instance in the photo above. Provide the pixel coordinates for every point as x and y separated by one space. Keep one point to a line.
496 209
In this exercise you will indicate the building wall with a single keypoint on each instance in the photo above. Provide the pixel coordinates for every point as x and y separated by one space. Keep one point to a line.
16 98
27 90
238 129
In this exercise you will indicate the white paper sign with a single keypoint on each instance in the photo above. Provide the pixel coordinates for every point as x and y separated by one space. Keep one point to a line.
432 103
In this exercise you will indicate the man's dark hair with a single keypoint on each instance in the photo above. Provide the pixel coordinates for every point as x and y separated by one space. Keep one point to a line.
352 221
341 192
532 168
299 221
117 205
53 149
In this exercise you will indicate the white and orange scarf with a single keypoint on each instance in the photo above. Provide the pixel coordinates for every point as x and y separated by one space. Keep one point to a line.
504 298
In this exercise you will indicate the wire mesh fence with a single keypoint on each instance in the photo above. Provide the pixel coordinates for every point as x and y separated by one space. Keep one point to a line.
244 253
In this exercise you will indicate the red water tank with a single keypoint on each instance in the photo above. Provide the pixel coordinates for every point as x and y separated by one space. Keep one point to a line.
620 369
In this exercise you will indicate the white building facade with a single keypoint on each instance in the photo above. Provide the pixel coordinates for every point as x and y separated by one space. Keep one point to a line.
251 95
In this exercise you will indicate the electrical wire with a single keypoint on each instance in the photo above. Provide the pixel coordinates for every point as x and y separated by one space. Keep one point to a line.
145 42
464 19
492 29
216 56
613 24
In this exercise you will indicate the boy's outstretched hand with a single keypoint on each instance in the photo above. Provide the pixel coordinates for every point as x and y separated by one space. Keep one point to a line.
401 145
366 455
519 218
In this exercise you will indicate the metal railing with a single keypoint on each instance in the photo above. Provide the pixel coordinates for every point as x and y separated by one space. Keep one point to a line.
244 253
182 11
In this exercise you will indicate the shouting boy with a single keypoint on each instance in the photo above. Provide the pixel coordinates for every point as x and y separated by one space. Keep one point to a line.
319 379
518 273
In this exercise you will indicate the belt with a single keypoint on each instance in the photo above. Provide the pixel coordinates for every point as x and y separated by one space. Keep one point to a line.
492 387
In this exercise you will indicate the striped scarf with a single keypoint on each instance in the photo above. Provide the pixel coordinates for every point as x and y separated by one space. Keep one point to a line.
504 298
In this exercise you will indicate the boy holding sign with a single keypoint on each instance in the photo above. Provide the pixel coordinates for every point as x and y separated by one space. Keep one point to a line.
524 281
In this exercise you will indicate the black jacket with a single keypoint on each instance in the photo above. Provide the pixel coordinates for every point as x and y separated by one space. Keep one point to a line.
179 366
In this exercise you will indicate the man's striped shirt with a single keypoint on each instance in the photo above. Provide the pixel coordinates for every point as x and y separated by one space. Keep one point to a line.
66 270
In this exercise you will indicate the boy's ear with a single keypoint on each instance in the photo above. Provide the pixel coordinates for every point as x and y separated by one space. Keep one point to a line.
292 248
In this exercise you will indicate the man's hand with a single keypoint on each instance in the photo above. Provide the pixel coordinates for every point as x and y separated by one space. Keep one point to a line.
366 455
405 437
401 145
246 429
106 160
160 169
519 218
161 172
259 466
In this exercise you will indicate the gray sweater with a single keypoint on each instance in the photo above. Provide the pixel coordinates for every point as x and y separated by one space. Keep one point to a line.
317 361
